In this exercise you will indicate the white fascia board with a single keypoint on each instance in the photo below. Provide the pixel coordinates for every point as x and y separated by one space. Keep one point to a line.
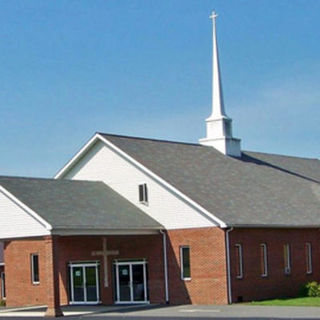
93 232
29 211
97 136
76 157
163 182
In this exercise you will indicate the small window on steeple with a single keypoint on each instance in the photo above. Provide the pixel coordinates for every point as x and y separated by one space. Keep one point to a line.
143 193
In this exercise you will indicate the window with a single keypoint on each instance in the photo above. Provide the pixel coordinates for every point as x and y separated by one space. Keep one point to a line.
35 269
239 262
309 257
143 193
3 285
286 257
264 259
185 263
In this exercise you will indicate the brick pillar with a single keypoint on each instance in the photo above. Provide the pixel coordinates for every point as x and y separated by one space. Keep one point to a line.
52 277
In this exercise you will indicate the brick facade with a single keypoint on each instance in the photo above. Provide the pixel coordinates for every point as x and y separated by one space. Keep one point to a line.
21 291
277 284
147 247
208 284
19 287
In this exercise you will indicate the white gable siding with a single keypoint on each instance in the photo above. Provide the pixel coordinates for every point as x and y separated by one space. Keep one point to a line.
16 222
102 163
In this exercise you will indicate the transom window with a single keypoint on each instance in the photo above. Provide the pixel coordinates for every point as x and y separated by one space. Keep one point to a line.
185 263
35 268
143 193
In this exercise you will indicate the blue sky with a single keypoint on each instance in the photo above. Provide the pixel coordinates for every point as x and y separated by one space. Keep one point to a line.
71 68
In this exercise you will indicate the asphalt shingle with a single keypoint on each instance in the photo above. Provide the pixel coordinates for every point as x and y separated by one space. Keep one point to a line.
71 204
257 189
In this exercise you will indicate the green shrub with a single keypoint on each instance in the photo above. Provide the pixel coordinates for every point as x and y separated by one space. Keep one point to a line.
313 289
2 303
310 289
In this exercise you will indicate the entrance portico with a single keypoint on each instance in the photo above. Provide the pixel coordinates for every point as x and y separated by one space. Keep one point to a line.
134 264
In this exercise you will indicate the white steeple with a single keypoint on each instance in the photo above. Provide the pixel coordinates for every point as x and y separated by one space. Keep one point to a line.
219 125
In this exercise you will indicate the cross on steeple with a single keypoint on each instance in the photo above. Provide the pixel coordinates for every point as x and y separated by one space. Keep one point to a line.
105 253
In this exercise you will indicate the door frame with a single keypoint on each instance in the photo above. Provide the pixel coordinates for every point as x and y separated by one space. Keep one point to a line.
117 285
84 265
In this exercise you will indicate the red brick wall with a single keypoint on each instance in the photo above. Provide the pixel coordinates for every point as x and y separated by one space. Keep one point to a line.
19 288
276 284
147 247
208 266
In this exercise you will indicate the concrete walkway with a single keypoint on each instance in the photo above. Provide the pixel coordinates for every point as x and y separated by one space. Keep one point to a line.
187 312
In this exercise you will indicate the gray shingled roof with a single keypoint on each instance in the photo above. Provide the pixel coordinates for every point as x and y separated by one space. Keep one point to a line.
257 189
78 204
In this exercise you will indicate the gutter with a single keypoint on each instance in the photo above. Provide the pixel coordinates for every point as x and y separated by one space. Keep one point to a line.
165 263
228 265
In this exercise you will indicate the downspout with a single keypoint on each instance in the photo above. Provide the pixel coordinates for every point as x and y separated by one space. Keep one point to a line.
228 265
165 263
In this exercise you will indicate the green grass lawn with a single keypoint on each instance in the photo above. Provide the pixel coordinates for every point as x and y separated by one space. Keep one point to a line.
299 302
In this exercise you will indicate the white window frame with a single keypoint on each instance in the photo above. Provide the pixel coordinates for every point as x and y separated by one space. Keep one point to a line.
145 198
287 267
309 257
264 259
32 268
181 263
238 247
3 291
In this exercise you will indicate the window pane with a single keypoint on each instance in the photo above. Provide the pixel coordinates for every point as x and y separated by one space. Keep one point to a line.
239 262
141 193
309 257
264 260
186 272
286 254
3 285
35 268
145 193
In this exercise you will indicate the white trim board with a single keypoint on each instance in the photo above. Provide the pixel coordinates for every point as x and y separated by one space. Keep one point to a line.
130 159
71 232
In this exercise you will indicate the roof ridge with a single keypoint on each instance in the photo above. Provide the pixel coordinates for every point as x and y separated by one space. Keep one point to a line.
150 139
46 179
281 155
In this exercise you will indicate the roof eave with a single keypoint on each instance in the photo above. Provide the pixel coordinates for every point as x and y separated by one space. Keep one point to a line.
273 226
78 231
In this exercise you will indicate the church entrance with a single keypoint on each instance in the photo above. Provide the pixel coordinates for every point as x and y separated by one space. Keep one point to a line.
131 282
84 283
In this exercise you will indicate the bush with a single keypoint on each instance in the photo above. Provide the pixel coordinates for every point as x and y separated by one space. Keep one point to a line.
2 303
313 289
310 289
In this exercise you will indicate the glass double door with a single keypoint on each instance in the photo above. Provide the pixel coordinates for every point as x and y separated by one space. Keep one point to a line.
131 282
84 283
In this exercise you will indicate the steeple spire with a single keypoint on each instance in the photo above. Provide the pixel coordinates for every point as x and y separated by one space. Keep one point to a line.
219 125
217 95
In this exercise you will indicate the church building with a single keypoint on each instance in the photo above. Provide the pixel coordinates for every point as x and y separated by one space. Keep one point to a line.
133 220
